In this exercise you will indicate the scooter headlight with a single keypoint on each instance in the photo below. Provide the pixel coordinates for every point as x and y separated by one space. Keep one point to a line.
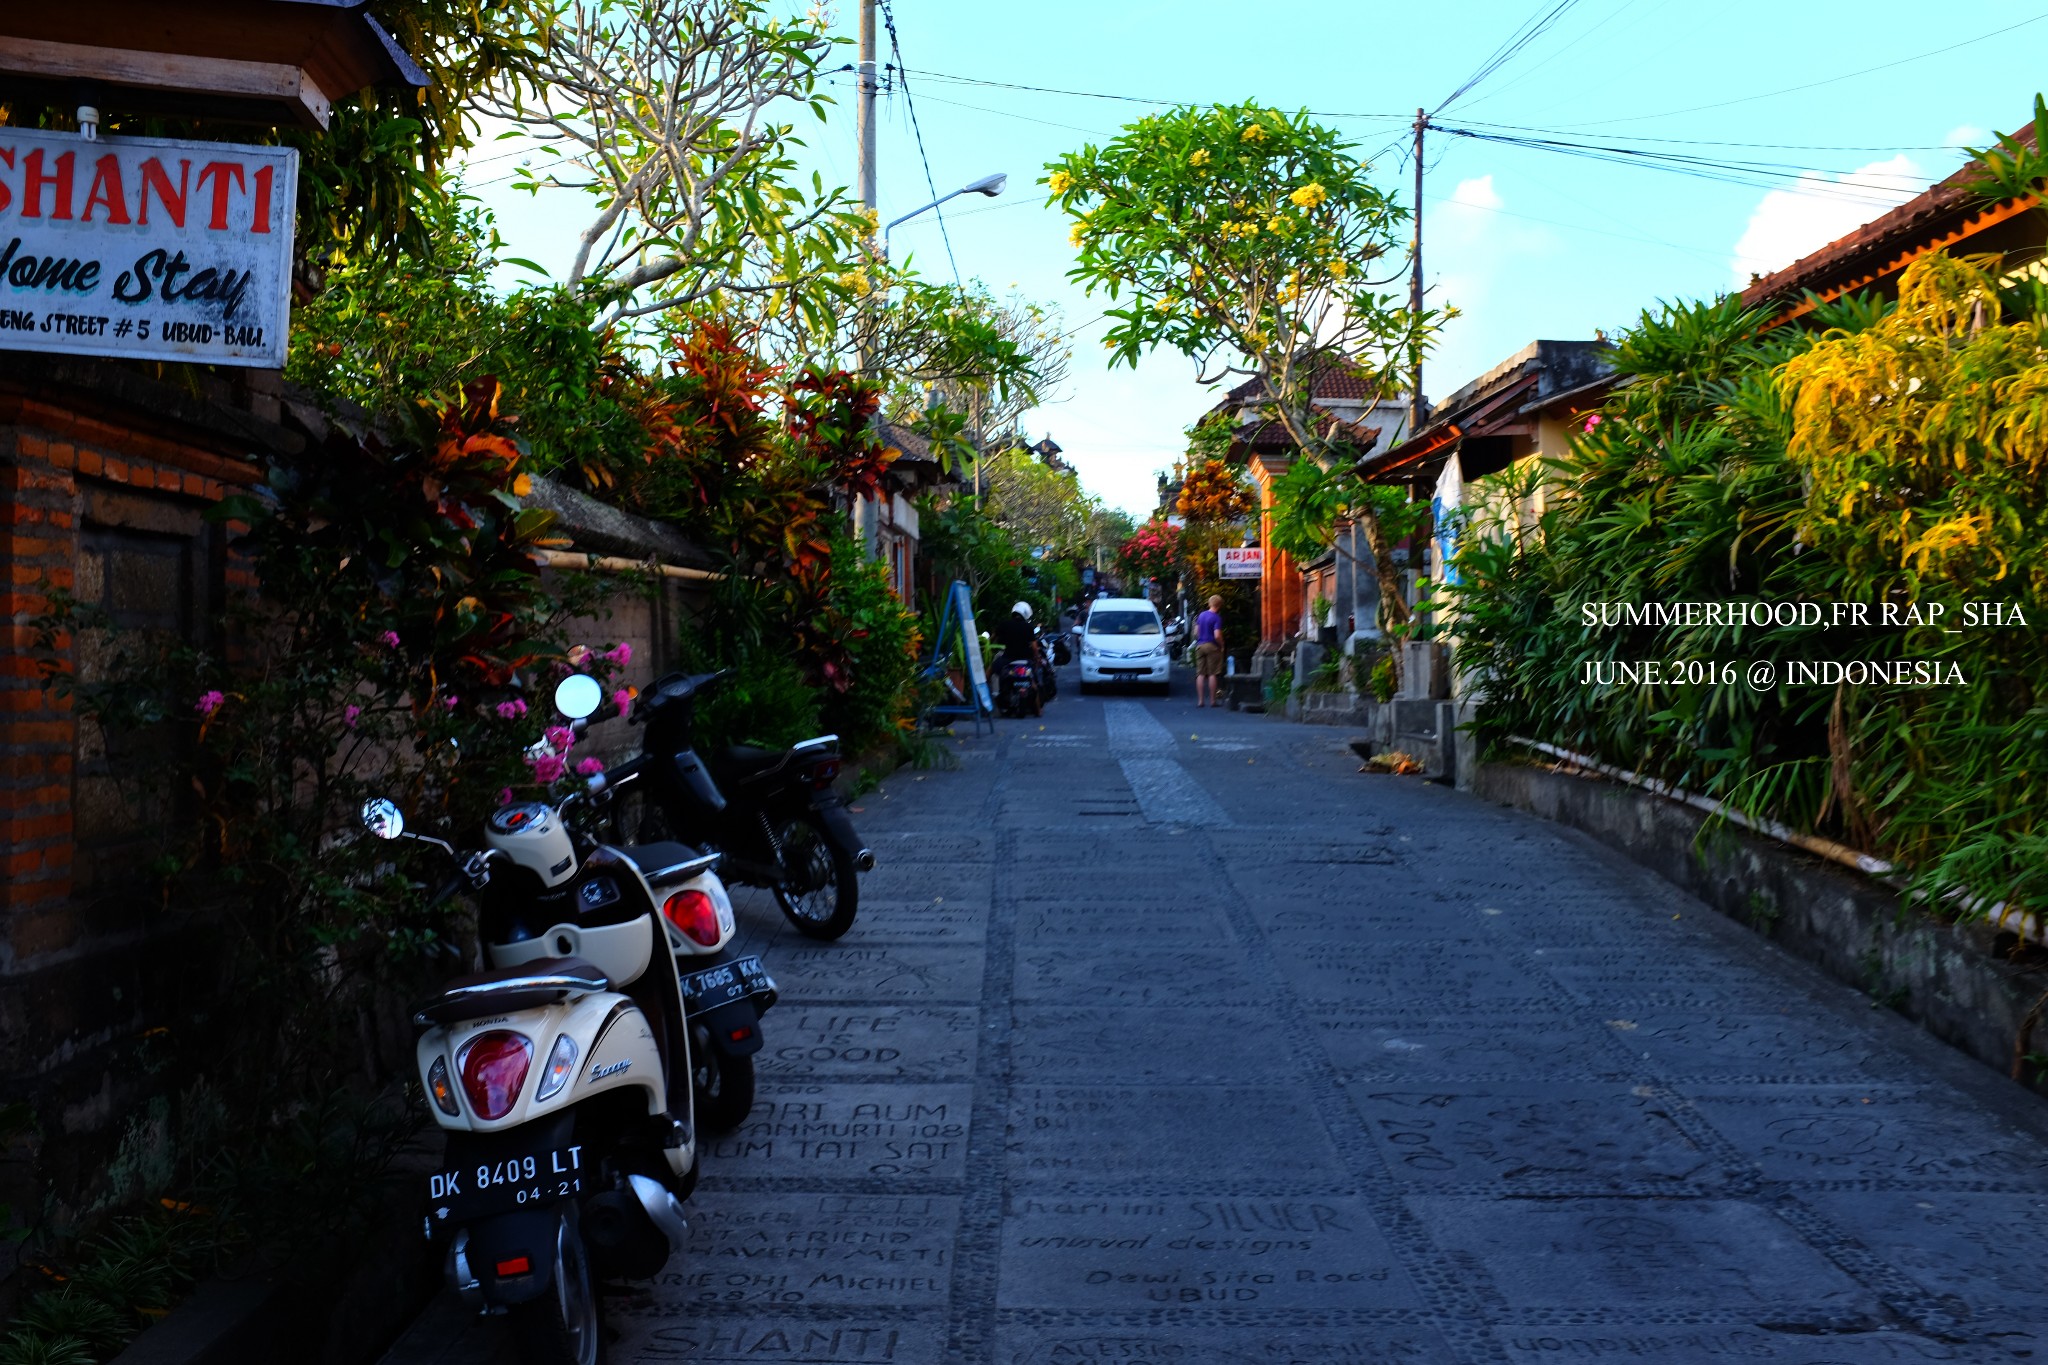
561 1066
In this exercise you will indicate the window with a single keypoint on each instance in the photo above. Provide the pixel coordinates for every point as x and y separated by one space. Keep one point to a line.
1123 623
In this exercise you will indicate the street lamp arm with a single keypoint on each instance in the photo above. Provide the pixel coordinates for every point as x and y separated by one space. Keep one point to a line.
990 185
913 213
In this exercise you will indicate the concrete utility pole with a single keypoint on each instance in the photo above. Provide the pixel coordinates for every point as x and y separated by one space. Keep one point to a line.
1415 413
867 512
864 109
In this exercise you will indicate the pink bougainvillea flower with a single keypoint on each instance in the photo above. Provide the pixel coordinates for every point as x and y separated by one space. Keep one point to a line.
505 797
208 703
623 655
548 768
561 739
623 699
1592 421
349 714
590 767
390 639
453 702
511 710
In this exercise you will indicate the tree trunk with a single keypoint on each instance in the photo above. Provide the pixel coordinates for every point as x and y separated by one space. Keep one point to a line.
1394 613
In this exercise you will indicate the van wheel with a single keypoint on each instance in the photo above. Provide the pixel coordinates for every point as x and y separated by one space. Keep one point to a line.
564 1326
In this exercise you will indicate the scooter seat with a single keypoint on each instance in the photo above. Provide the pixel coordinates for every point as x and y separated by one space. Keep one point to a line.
745 761
542 981
663 862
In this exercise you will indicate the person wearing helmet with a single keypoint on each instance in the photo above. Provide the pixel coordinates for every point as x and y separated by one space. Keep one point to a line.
1017 638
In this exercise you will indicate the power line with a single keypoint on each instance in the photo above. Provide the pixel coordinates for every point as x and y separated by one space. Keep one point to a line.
903 82
1760 174
1532 28
1812 85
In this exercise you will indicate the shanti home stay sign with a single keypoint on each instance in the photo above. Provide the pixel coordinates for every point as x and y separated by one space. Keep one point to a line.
146 248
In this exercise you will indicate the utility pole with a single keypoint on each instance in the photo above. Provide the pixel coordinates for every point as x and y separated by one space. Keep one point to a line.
867 511
864 144
1415 413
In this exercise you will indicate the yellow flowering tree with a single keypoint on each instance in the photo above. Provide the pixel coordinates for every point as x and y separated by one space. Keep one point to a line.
1255 243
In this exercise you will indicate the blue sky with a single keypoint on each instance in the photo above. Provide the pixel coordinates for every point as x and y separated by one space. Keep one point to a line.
1524 243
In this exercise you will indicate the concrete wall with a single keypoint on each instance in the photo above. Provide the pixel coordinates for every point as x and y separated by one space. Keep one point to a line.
1960 982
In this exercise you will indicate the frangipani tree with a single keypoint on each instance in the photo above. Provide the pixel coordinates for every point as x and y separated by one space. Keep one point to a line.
1254 242
666 113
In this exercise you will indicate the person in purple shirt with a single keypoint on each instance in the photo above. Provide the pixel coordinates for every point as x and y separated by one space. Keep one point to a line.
1209 652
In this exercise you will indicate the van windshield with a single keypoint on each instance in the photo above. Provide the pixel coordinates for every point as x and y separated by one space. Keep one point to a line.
1122 623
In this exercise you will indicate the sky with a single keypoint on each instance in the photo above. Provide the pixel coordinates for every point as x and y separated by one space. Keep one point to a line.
1524 243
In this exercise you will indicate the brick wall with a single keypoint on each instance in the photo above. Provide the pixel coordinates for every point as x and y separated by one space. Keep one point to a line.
105 479
101 498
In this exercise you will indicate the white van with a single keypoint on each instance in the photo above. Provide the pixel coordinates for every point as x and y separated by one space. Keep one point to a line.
1124 642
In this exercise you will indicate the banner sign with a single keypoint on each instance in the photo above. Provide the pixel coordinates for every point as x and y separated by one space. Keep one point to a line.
1250 563
970 646
146 248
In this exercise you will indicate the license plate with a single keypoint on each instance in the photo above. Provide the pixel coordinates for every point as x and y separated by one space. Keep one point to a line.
716 986
465 1193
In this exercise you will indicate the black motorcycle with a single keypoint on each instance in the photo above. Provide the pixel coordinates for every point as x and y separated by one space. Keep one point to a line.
1021 696
773 813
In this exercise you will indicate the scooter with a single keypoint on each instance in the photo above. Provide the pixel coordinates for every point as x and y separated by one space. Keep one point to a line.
1020 689
773 813
576 1167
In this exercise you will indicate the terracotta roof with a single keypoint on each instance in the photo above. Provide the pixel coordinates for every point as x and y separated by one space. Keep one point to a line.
1950 209
1332 380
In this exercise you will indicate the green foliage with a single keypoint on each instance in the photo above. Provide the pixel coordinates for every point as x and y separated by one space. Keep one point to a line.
1279 687
1889 458
1042 507
1234 230
2015 168
960 541
1381 681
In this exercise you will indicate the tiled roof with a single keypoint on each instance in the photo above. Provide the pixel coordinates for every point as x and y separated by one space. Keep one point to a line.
1872 247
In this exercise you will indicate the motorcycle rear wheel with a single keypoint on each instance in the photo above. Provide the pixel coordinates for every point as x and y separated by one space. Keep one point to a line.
722 1087
565 1326
820 890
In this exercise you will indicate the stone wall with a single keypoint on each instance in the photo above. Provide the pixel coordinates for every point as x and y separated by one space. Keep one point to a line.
1967 984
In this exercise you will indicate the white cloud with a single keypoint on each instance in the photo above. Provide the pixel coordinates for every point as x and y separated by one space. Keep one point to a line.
1477 251
1792 223
1968 135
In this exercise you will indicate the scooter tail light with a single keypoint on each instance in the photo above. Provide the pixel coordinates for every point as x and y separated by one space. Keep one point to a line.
441 1088
694 914
822 775
494 1069
561 1066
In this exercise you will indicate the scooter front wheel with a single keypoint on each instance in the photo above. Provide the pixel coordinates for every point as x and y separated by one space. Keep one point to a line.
564 1326
820 888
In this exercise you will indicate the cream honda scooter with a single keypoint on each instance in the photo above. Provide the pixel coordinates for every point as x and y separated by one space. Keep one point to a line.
561 1077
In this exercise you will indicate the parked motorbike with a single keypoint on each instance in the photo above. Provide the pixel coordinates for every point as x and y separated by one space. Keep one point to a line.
773 813
559 1075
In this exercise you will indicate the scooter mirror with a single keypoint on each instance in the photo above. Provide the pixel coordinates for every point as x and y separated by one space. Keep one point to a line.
579 695
383 818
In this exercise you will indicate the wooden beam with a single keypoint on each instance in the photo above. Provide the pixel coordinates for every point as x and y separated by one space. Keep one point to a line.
288 86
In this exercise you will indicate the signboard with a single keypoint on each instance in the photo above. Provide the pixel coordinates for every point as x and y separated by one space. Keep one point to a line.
970 639
146 248
1245 563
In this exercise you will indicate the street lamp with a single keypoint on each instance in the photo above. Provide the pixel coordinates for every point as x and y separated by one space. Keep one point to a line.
990 185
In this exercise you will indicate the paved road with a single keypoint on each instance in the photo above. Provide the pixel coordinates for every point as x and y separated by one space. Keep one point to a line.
1167 1036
